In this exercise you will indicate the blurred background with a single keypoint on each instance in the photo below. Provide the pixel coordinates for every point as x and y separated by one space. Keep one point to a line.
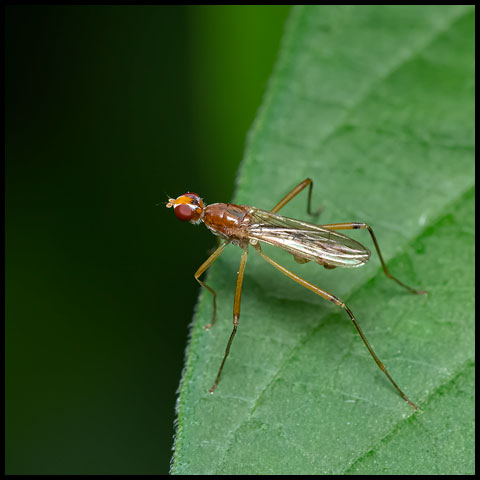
108 110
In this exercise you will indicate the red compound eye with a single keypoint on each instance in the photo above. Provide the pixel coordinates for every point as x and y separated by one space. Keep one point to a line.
184 212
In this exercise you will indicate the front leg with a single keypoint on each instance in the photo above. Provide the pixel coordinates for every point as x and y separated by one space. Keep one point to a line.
207 263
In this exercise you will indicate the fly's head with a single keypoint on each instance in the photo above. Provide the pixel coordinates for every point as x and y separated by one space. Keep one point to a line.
187 207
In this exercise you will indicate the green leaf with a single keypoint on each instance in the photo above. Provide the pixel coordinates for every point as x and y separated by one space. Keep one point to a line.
376 105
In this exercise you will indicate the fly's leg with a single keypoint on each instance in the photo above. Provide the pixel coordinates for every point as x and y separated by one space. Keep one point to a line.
364 226
207 263
236 314
336 301
294 193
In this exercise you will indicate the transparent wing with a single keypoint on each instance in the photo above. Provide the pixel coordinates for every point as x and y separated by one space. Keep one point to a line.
306 240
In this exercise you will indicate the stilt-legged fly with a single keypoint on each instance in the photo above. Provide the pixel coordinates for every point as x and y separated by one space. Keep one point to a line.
244 225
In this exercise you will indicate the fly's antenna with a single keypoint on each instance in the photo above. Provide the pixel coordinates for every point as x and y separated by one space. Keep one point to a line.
164 203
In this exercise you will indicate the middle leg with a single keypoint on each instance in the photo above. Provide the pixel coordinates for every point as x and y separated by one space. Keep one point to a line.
236 313
364 226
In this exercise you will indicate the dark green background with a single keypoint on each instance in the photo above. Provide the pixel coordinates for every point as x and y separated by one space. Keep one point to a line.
108 109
